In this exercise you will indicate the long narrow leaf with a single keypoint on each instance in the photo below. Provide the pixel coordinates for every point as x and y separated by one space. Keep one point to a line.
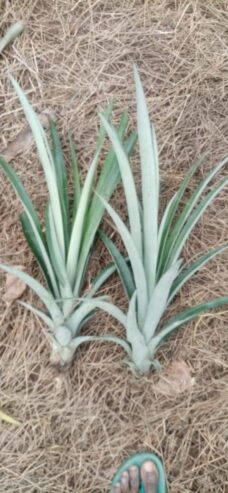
46 160
194 218
46 297
102 133
134 335
47 320
184 317
33 220
106 184
77 186
80 222
107 181
77 229
21 192
135 260
105 338
31 240
150 183
76 177
158 301
45 257
140 354
101 278
185 214
66 293
87 306
53 247
128 184
121 265
59 163
11 33
61 178
190 270
169 215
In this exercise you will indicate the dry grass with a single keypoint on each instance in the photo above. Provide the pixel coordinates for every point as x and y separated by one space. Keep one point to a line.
78 426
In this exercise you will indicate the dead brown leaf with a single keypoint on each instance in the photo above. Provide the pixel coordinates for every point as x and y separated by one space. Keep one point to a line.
14 286
25 139
175 379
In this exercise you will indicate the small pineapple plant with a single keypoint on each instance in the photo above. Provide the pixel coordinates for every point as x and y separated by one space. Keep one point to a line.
154 271
62 245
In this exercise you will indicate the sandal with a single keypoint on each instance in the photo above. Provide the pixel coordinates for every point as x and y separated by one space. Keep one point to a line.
138 460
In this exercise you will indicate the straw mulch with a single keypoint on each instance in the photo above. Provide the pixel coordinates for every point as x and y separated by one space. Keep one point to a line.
78 426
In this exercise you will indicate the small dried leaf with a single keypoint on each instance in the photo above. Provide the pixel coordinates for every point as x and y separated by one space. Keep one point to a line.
175 379
14 286
24 139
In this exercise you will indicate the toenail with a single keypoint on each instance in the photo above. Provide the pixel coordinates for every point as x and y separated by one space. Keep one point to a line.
149 466
125 478
134 477
117 488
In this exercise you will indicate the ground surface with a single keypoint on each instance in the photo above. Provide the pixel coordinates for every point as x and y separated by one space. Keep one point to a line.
78 426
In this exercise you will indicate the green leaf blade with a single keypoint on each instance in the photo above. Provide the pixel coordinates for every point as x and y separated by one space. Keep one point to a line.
87 306
61 179
134 334
121 265
76 177
193 219
135 260
101 278
106 185
150 183
47 320
31 223
78 226
45 296
45 159
159 301
190 270
128 184
187 211
168 217
31 240
105 338
186 316
20 191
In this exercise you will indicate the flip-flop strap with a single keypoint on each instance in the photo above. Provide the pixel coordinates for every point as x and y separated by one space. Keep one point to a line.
138 460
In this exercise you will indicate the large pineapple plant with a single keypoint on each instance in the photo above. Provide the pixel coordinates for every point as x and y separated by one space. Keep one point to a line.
154 271
62 243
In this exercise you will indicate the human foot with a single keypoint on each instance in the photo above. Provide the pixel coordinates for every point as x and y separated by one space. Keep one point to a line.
133 477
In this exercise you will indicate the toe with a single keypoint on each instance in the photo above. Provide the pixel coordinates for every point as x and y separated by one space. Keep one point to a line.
134 479
117 488
149 475
125 482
